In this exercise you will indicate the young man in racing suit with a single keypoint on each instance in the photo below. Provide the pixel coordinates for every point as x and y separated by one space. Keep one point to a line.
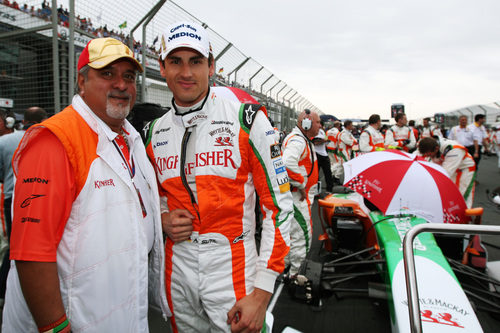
347 143
399 135
211 155
371 139
456 160
332 146
430 131
302 166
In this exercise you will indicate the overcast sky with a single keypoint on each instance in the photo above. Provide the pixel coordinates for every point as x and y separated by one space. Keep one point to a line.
354 58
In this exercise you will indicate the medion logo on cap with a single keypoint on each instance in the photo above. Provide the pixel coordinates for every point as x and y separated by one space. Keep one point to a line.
185 34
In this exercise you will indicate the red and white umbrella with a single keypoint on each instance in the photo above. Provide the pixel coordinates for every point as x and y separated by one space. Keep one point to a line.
234 94
400 183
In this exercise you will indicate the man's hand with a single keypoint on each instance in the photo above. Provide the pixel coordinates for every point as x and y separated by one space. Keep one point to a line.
178 224
249 313
303 194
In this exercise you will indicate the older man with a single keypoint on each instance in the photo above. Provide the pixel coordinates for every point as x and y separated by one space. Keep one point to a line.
86 220
300 160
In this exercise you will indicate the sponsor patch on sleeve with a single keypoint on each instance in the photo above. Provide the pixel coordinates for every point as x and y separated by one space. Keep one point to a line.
275 151
279 166
283 182
281 175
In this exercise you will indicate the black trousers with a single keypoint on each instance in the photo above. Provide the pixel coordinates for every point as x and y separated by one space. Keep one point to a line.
471 151
324 164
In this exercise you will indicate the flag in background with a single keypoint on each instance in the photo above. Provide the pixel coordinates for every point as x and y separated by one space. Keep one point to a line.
155 40
123 25
221 70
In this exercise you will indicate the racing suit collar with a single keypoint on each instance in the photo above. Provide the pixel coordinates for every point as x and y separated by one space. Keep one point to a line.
197 106
193 116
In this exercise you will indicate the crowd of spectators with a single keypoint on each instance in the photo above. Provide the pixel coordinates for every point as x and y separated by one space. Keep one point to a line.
82 23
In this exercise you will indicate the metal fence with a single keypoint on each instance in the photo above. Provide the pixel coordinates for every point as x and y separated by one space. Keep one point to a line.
38 66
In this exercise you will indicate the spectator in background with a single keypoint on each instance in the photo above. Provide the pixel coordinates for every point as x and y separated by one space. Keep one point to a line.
322 155
479 137
7 122
462 134
8 144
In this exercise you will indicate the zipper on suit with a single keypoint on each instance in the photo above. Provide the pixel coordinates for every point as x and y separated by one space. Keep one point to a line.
185 140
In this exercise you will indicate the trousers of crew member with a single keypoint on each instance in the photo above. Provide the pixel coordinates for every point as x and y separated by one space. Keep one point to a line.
323 159
302 167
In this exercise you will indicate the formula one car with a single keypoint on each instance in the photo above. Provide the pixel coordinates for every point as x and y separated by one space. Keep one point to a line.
362 243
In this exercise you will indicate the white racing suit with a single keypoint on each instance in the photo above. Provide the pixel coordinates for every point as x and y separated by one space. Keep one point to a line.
347 146
299 157
396 137
430 132
460 166
370 140
211 161
332 148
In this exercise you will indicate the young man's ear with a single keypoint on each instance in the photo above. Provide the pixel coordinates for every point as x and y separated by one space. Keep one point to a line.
162 67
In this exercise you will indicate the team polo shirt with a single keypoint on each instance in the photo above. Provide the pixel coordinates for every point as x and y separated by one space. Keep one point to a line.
44 194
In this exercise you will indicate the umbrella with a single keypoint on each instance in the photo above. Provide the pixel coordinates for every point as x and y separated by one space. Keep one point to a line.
400 183
328 117
234 94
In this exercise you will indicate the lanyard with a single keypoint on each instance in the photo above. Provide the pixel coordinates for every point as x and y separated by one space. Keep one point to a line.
130 167
131 172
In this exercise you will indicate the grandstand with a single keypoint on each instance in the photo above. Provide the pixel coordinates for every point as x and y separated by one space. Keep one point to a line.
39 51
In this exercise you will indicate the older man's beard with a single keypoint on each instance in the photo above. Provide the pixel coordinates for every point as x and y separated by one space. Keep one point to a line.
117 111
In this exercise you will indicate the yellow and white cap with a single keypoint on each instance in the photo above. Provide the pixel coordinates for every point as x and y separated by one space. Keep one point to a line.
101 52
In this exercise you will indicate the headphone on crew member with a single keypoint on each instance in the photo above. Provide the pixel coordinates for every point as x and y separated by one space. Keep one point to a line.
8 120
307 122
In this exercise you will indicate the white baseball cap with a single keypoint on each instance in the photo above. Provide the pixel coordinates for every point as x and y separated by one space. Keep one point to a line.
185 34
